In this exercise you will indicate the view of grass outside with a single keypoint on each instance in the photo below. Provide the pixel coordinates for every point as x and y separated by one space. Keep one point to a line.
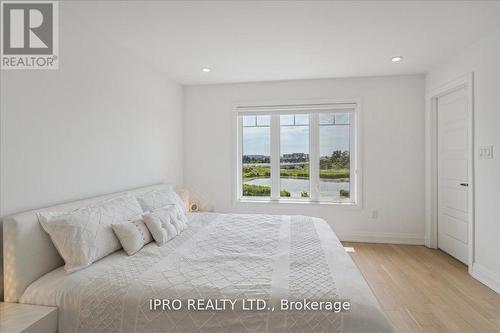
255 171
335 167
260 191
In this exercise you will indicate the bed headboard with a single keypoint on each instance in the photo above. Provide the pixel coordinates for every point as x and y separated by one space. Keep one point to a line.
28 252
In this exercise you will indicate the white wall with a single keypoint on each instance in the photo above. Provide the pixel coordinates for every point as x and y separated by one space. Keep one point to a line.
393 151
103 122
483 59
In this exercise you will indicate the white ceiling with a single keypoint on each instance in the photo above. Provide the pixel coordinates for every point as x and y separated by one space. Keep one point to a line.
244 41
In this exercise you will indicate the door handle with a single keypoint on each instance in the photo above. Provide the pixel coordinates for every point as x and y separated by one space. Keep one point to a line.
464 184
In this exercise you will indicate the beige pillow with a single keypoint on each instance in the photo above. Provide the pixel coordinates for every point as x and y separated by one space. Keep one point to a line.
133 236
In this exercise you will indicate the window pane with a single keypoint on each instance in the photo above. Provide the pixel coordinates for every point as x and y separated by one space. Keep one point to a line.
248 120
263 120
287 119
334 141
326 118
294 159
302 119
256 151
342 119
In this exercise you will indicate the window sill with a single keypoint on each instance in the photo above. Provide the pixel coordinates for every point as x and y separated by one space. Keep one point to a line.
296 202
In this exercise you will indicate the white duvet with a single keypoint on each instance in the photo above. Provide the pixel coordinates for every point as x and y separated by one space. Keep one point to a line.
220 256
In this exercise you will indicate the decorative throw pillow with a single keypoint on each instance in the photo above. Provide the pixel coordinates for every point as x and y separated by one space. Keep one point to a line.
160 198
85 235
178 217
133 236
162 225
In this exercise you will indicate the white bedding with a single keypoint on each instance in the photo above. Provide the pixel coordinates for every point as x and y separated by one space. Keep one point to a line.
220 256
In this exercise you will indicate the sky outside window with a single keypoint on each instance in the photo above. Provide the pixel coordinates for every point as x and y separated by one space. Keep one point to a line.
256 140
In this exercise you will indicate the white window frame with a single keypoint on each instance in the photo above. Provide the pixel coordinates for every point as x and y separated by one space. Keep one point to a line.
275 109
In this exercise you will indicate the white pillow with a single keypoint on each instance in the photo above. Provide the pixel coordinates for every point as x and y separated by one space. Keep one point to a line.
160 198
163 224
178 217
133 236
85 235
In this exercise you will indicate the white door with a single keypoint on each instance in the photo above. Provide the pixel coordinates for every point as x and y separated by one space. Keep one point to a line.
453 173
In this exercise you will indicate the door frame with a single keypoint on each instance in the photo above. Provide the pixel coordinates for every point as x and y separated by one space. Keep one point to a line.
431 158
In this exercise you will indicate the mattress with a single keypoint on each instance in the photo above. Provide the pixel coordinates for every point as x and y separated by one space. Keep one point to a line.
262 263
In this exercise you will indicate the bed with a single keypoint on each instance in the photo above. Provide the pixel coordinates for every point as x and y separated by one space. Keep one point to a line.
235 257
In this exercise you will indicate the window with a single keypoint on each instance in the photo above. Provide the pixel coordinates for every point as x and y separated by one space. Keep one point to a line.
256 156
303 153
334 156
294 156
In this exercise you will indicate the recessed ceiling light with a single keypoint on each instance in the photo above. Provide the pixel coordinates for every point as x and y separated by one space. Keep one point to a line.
206 70
397 59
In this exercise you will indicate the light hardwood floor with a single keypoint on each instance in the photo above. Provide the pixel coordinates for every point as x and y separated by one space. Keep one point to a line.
425 290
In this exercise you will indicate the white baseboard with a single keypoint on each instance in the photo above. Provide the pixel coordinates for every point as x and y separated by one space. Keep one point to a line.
485 276
383 237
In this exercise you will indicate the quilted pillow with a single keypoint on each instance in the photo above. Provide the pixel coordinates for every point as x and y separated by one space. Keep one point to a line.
178 217
164 223
85 235
160 198
133 236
